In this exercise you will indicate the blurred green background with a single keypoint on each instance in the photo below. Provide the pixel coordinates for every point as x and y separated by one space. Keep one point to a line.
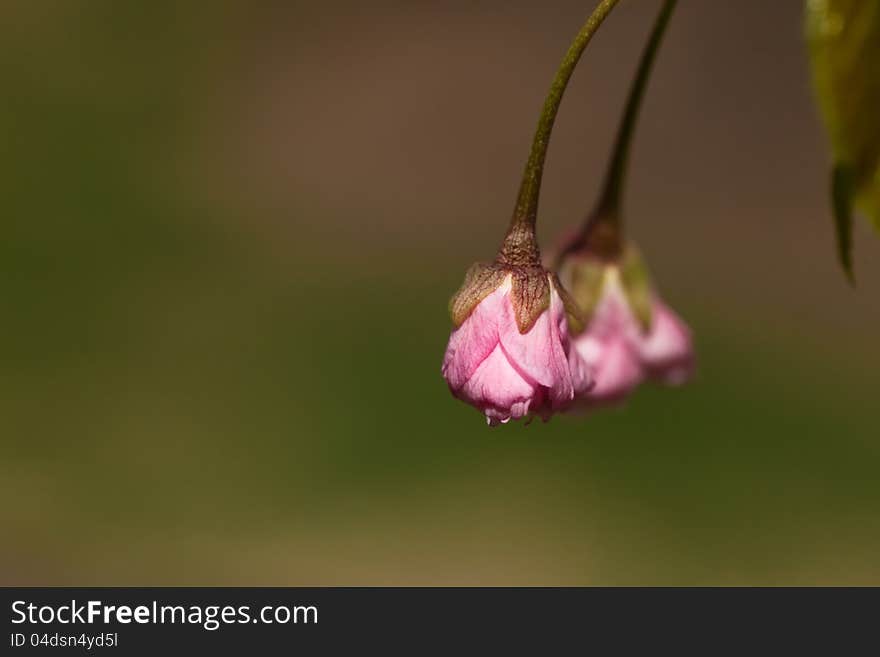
231 230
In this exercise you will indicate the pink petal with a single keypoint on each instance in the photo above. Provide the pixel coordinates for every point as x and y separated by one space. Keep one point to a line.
616 369
581 376
613 317
474 340
498 389
667 350
539 354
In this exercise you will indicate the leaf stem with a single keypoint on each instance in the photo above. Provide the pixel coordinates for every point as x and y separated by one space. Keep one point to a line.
603 228
610 201
522 225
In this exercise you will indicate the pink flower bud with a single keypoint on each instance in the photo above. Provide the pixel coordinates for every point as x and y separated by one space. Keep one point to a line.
503 371
630 334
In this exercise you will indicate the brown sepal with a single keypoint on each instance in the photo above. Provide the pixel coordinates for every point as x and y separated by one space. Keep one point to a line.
530 295
586 278
637 286
481 280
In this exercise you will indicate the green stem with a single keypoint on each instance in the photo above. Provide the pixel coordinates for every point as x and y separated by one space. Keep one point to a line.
608 209
520 241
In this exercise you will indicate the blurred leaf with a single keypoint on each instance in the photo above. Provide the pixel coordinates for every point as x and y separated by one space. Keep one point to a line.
841 202
844 43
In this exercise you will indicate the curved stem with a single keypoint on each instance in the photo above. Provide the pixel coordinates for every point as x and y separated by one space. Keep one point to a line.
522 225
612 191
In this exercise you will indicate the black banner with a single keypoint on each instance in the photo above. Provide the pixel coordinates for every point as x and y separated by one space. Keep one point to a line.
415 620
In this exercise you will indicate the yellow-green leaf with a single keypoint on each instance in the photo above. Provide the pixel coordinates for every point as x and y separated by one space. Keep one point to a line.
844 44
841 205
